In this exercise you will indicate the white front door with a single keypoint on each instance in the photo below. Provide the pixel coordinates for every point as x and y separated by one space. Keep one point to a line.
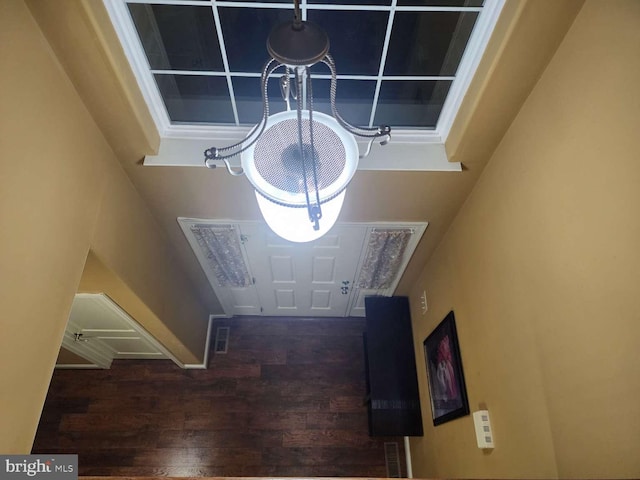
298 279
304 279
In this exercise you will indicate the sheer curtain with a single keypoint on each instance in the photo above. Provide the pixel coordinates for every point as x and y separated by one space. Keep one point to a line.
383 259
222 249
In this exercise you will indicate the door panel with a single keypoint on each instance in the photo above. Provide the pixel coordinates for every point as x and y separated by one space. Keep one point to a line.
304 279
285 299
321 300
323 270
244 300
282 269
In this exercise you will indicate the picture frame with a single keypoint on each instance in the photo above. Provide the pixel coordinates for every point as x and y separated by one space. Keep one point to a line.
445 375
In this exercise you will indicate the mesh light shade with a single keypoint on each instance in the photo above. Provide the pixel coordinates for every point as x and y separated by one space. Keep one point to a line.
274 168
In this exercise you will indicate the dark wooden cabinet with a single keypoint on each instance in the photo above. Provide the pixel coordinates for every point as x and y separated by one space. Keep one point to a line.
392 384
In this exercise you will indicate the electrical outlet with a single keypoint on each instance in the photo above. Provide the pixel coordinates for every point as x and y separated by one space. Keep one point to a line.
423 302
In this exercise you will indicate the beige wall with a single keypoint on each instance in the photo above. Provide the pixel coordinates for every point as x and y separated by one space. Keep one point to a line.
542 268
62 192
97 278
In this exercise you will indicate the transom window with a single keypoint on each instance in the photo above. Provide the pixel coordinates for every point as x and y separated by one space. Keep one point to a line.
397 60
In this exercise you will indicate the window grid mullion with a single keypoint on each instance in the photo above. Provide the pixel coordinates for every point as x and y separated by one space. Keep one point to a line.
383 60
225 61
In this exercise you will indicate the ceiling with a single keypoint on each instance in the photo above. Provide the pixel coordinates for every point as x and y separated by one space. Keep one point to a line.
89 48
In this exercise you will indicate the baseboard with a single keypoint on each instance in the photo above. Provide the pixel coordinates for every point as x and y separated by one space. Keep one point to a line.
63 366
407 454
203 365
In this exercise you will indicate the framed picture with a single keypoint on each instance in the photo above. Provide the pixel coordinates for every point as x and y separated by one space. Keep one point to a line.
444 370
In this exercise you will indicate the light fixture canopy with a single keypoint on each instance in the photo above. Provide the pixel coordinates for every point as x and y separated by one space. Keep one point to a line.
299 161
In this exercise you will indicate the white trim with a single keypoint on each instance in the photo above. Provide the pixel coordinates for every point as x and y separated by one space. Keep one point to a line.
197 3
386 8
383 61
323 76
205 363
69 366
407 456
312 6
408 153
126 32
476 46
383 56
225 60
209 132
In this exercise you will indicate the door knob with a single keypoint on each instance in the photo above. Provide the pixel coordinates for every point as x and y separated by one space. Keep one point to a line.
79 337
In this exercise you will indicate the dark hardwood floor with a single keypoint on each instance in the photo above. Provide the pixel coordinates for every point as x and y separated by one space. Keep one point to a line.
286 400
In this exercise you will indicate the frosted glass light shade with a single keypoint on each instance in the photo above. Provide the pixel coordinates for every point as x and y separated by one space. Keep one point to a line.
293 224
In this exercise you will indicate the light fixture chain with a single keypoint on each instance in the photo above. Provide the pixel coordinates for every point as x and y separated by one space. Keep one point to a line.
285 87
297 15
219 154
365 132
300 71
317 214
272 165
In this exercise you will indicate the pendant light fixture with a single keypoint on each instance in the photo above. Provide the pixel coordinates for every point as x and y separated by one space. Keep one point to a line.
299 161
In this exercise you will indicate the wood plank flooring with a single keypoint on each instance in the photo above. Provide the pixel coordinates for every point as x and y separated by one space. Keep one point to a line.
286 400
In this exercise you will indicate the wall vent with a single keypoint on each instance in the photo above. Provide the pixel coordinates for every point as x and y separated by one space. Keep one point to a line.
392 459
222 340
